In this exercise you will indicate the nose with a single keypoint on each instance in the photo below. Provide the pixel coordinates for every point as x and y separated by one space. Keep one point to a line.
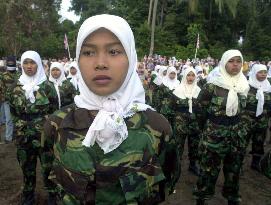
101 63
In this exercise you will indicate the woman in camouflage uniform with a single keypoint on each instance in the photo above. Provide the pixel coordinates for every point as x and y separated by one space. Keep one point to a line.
224 139
64 89
73 76
110 147
184 106
31 99
258 110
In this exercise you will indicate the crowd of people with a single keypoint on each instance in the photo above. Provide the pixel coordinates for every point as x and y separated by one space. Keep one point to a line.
108 129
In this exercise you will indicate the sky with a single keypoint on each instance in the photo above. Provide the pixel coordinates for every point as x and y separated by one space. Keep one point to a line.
64 11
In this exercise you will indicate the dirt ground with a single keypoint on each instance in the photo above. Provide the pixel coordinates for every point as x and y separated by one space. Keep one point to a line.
255 188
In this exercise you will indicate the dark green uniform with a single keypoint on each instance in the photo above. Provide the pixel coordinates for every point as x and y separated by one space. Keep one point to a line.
258 125
186 126
7 80
29 118
223 143
142 170
67 92
265 164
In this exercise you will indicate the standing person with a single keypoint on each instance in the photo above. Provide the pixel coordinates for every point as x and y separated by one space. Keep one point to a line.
184 106
224 137
171 80
64 89
258 110
110 147
8 79
31 99
74 75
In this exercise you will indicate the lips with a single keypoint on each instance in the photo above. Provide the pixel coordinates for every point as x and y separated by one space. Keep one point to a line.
102 79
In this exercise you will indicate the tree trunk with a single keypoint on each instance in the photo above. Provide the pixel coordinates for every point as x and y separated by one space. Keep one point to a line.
153 26
162 13
150 12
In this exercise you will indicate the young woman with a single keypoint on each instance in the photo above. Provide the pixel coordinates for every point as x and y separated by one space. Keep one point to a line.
184 106
258 111
31 99
74 75
64 89
224 139
170 80
110 147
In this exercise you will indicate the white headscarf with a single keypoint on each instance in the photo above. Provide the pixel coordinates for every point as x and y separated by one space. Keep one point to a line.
235 84
30 83
156 70
198 69
74 78
108 128
159 79
261 86
185 90
171 84
57 82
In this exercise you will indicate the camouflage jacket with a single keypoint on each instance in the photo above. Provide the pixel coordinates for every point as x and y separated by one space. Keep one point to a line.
7 80
187 122
251 107
219 129
29 117
67 92
139 171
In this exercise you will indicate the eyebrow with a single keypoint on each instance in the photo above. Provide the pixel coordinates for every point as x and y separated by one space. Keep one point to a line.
90 45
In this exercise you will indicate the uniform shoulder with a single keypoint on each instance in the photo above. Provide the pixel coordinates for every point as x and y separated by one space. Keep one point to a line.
59 115
157 122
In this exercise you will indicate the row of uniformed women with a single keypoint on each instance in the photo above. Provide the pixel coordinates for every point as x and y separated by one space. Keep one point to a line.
227 112
31 99
108 146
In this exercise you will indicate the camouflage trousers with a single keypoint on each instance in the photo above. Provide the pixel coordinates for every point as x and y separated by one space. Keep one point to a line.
258 137
27 156
193 143
210 164
265 164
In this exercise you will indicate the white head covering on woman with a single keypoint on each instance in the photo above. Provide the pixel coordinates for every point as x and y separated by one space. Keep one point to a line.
171 84
159 79
30 83
108 128
57 82
185 90
235 84
261 86
74 78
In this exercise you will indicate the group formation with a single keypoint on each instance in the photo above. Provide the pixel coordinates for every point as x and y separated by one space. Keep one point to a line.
101 140
220 111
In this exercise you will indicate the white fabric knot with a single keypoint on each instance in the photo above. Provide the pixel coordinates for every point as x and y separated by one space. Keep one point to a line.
29 91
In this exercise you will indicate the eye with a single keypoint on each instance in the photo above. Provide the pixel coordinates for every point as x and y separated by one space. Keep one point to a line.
88 53
114 52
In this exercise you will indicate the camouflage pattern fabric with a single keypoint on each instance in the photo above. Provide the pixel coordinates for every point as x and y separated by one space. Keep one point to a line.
7 80
223 143
67 92
265 164
28 119
257 125
186 126
142 170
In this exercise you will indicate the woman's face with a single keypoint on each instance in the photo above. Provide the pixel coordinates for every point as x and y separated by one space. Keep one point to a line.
172 75
190 77
103 62
55 72
73 71
30 67
261 75
164 72
234 65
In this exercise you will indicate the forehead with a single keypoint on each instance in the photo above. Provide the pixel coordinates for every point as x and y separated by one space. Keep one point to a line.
235 58
101 35
191 73
29 60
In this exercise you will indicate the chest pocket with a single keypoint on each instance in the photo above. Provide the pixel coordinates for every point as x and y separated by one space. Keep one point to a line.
41 98
217 103
242 101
